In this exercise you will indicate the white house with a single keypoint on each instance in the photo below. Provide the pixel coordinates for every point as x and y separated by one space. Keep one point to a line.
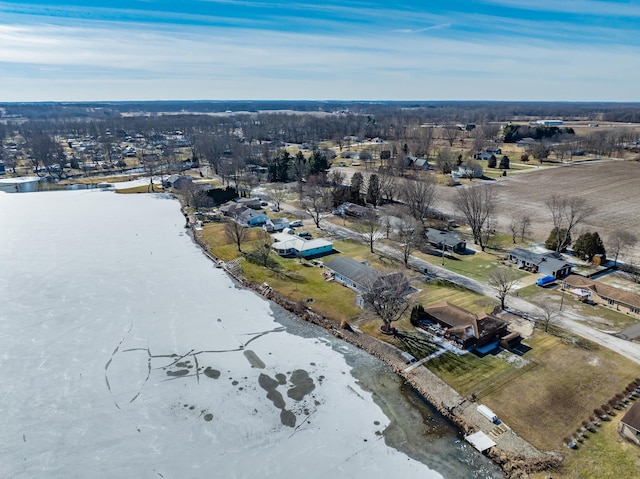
288 244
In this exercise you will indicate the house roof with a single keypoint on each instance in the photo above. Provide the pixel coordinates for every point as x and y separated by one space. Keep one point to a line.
438 237
232 207
621 296
248 214
287 241
552 258
632 417
460 319
357 272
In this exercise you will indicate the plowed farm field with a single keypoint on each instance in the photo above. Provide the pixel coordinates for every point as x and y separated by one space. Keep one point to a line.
611 187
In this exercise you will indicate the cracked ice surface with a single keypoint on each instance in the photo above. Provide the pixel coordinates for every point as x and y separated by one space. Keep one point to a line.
126 354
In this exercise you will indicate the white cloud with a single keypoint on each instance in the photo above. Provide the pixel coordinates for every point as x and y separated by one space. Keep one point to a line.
135 62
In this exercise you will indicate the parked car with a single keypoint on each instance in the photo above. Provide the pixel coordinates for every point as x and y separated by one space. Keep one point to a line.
296 223
305 235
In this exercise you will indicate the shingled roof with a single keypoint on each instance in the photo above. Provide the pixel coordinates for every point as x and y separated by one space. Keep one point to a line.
357 272
632 418
601 289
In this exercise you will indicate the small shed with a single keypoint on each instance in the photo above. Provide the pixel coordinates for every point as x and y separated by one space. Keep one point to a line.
480 441
630 424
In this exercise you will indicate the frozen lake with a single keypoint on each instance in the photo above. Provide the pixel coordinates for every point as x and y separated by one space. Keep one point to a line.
125 353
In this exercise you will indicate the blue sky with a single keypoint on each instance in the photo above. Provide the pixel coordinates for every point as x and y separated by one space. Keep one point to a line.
92 50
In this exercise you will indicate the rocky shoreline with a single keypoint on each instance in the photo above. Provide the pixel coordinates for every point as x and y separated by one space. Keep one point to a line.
516 457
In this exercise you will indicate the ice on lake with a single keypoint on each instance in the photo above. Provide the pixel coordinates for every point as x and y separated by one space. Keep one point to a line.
125 353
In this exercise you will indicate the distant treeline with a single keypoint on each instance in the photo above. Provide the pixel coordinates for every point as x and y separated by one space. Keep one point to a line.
427 111
515 133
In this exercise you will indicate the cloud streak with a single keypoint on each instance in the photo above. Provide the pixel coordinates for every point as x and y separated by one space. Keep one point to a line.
438 54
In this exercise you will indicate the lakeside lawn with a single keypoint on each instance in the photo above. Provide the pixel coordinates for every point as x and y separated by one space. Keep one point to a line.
543 395
563 383
603 455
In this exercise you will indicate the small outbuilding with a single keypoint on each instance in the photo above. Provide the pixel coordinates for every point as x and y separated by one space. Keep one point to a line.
630 424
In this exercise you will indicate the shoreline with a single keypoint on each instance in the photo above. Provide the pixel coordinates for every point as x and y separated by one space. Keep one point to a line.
515 456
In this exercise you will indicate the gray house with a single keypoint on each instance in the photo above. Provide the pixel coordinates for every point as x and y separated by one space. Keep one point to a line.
177 181
353 274
549 263
445 240
362 278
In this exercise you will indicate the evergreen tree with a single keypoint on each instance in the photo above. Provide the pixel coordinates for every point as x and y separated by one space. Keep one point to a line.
318 163
552 240
357 181
492 162
504 163
373 191
588 245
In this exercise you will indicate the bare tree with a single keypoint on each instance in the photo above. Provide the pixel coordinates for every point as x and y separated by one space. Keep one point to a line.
549 314
370 228
46 151
618 240
450 133
386 297
566 214
277 194
262 251
337 177
502 280
316 202
424 142
419 196
514 228
236 233
410 237
195 195
388 184
525 226
477 204
540 152
519 226
445 161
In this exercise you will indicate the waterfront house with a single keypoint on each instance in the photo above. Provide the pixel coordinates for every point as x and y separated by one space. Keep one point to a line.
466 329
351 273
287 244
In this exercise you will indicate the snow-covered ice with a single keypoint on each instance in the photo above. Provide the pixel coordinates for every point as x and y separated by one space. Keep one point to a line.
125 353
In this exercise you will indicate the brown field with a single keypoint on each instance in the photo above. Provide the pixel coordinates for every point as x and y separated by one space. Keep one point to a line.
611 187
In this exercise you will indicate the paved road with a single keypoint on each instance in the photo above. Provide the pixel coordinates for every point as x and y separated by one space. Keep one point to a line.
567 320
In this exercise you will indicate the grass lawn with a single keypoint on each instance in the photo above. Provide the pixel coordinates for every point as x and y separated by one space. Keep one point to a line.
603 455
301 282
548 399
435 292
469 373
